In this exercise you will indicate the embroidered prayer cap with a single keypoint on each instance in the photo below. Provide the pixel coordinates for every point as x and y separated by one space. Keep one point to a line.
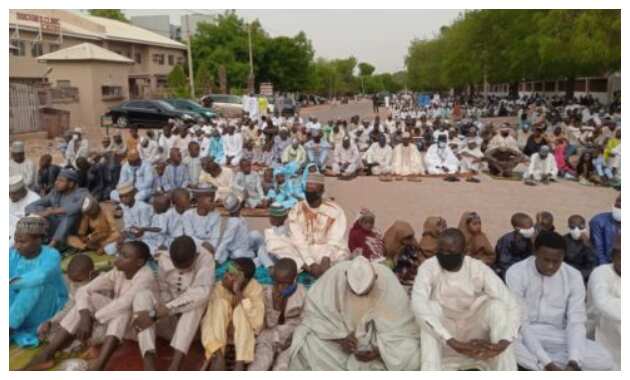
360 275
277 209
231 203
315 177
32 225
406 135
125 188
70 174
17 147
16 183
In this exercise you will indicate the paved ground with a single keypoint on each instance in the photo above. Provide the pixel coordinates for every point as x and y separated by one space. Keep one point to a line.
495 200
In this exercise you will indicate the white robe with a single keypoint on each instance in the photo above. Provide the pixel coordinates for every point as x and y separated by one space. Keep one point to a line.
472 303
381 156
539 167
407 160
604 304
279 245
319 232
26 169
554 322
16 211
233 146
437 158
468 156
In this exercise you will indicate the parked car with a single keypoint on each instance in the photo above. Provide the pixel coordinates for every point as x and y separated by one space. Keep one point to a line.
225 105
146 114
289 107
192 106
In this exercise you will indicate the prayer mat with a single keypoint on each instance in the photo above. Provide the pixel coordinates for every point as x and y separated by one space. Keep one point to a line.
101 263
247 212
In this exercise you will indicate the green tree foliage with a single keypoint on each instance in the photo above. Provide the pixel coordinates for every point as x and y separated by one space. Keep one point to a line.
114 14
203 80
507 46
177 83
365 69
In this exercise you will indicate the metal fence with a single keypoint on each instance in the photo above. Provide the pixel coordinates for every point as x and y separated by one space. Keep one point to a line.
24 104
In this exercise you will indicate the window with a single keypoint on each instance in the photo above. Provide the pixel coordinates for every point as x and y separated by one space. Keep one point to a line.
138 58
63 83
53 48
36 49
158 58
20 50
111 91
171 60
580 85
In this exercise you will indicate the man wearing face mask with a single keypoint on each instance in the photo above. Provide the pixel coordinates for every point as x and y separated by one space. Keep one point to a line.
318 228
467 316
356 317
553 333
580 254
542 167
440 159
516 245
604 227
317 150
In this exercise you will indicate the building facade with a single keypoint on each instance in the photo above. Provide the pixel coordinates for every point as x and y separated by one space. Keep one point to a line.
34 33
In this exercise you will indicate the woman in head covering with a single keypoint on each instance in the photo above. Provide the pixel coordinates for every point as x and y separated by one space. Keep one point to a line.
433 227
401 251
477 243
364 238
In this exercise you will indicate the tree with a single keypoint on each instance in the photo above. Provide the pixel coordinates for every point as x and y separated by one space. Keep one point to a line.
177 83
114 14
203 80
365 69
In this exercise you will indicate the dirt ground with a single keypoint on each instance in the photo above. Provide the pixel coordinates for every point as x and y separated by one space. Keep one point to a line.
494 200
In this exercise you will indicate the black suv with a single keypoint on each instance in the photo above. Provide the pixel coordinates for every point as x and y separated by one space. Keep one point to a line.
146 114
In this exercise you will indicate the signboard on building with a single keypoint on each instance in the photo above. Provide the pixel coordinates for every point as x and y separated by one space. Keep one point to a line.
266 89
50 25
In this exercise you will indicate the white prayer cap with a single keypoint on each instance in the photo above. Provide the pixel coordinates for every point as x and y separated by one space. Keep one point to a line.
16 183
78 130
125 188
360 275
207 129
406 135
17 147
231 203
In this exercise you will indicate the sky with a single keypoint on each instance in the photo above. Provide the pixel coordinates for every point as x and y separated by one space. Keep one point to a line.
379 37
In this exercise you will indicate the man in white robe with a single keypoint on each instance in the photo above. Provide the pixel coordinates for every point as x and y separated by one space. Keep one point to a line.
232 146
440 159
468 318
471 156
378 157
356 317
222 178
278 241
148 150
553 332
77 147
318 228
185 276
604 304
203 223
20 165
19 198
542 167
406 158
347 159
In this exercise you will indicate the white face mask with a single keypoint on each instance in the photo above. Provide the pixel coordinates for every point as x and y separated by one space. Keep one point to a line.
577 232
527 233
616 214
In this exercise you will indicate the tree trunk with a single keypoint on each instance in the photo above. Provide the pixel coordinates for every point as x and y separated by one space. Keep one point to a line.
570 87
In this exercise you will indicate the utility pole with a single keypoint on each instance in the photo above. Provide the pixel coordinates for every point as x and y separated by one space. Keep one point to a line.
250 81
190 63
